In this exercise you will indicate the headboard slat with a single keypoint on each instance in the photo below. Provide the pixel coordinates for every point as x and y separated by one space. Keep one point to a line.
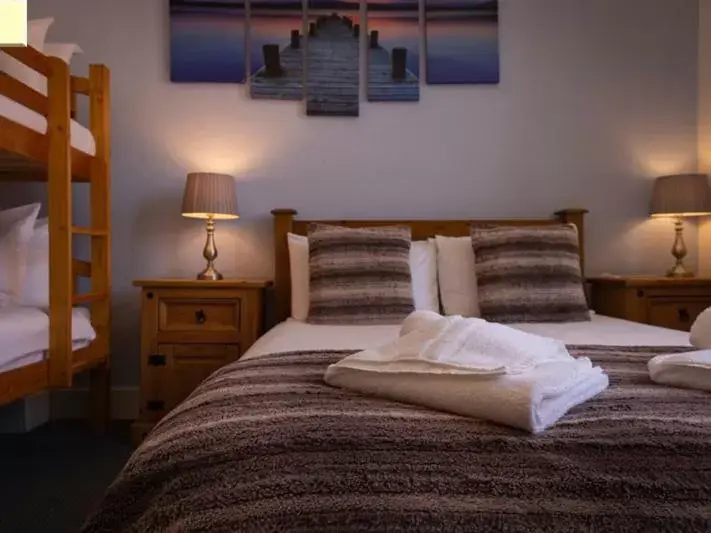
285 222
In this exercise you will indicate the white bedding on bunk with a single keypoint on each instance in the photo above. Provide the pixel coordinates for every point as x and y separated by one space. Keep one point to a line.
293 335
24 333
82 139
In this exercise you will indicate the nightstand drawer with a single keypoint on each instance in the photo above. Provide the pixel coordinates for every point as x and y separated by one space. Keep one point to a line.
192 315
676 313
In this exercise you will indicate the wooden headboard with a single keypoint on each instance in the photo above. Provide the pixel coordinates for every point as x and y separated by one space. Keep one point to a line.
285 222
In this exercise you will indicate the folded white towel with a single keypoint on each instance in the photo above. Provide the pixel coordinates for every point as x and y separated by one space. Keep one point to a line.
690 370
701 331
529 388
432 343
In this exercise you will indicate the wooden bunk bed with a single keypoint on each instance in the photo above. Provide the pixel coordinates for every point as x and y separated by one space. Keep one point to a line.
28 155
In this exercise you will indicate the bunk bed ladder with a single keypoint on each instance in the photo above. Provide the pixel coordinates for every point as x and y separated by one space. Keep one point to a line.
100 183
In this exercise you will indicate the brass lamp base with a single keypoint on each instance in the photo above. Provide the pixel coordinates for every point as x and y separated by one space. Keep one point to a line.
210 254
679 270
210 274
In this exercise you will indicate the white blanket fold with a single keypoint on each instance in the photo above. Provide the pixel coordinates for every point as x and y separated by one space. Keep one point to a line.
691 370
473 368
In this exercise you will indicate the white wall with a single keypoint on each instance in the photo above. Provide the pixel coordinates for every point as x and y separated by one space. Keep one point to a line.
596 99
704 138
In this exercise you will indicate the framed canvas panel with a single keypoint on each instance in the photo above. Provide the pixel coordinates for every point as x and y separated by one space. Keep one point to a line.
332 58
207 41
276 45
393 42
462 39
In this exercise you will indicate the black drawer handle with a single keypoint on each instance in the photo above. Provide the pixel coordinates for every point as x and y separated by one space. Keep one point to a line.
684 315
200 317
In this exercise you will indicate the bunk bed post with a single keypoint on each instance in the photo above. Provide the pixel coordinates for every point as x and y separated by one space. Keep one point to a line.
59 177
100 179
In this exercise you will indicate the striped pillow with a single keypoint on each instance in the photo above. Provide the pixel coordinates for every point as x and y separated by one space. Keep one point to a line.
529 274
359 275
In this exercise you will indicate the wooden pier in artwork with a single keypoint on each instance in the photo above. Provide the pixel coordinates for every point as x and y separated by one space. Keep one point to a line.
333 58
332 79
389 79
282 76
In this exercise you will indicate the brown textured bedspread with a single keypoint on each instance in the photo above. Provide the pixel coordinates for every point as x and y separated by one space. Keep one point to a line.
265 445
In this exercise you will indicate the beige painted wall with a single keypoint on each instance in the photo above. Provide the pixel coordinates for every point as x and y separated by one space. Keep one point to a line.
705 125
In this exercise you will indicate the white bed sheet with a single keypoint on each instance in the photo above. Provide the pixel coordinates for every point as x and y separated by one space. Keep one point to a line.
24 334
82 139
293 335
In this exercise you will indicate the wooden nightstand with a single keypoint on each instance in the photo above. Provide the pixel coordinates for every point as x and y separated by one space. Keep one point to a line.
189 329
666 302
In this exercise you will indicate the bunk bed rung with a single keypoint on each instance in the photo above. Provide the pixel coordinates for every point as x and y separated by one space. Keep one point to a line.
76 230
88 297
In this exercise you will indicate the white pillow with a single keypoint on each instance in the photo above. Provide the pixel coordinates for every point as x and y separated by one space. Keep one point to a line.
423 264
35 292
457 276
16 230
701 331
64 51
299 265
36 35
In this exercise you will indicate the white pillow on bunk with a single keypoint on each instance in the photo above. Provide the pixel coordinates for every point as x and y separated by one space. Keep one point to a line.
35 292
36 35
423 264
64 51
457 276
16 230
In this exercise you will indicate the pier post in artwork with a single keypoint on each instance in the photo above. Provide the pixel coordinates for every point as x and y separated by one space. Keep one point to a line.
312 30
295 39
272 60
393 50
399 63
356 31
374 35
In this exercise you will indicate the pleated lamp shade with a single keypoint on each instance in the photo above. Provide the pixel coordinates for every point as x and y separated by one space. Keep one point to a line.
209 195
681 195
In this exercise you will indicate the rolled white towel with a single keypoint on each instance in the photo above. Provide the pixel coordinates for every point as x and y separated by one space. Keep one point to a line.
689 370
701 331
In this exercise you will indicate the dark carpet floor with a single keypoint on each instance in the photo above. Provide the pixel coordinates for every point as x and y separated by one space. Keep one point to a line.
54 476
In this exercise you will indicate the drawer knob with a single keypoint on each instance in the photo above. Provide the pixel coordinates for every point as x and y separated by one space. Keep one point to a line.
149 295
684 315
200 317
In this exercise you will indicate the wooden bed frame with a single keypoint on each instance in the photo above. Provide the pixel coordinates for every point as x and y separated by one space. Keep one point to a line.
26 155
285 222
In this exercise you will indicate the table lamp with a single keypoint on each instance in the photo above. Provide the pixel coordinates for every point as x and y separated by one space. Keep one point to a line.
210 197
681 196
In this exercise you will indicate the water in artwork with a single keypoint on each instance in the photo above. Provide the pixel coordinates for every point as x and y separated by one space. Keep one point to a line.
462 41
207 41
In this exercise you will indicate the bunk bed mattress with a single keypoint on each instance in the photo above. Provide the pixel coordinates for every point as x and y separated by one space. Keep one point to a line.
25 335
82 139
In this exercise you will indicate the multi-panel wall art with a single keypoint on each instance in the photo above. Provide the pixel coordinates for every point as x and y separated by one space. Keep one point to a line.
310 50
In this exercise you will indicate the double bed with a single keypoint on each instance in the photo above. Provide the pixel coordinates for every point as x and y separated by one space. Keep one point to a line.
265 445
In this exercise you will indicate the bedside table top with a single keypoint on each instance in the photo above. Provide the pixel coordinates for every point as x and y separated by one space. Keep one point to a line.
188 283
650 281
